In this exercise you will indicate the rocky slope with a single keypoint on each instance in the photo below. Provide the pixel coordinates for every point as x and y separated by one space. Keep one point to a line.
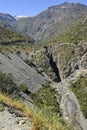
7 18
12 63
61 59
69 104
10 121
50 22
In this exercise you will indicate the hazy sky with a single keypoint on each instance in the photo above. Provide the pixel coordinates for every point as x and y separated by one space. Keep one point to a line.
30 7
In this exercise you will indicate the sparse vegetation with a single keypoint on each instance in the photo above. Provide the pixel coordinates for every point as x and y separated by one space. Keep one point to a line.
9 37
1 107
75 34
6 84
8 87
22 87
80 89
41 120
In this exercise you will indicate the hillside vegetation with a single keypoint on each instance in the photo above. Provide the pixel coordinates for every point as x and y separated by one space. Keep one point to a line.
77 33
80 89
9 37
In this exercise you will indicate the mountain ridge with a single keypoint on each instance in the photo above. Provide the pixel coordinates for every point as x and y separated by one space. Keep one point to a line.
75 34
7 18
51 21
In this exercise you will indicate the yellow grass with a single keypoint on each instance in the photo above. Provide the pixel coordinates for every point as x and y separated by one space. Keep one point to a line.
15 103
40 120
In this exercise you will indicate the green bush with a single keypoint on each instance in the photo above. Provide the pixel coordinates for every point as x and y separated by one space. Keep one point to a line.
46 97
23 88
6 84
2 107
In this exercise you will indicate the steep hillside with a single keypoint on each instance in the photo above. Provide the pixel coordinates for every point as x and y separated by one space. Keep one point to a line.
7 18
10 37
16 64
72 103
52 21
6 25
77 33
60 60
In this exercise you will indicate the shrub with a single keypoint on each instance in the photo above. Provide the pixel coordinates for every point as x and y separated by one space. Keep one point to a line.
6 84
46 97
23 88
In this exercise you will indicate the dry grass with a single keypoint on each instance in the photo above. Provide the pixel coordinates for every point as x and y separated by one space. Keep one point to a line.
41 119
15 103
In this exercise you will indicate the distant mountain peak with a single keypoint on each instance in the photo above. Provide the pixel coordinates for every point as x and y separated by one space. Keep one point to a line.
68 5
7 18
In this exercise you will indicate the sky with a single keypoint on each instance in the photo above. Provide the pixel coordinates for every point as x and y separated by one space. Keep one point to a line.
30 7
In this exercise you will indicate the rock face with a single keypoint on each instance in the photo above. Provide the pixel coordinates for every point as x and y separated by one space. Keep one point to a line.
66 57
22 73
69 104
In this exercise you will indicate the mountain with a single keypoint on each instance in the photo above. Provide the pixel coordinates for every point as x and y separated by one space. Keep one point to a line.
5 22
75 34
50 22
7 18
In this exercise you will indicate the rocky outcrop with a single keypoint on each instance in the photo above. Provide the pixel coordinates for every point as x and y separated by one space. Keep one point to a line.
62 59
44 59
71 62
69 104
